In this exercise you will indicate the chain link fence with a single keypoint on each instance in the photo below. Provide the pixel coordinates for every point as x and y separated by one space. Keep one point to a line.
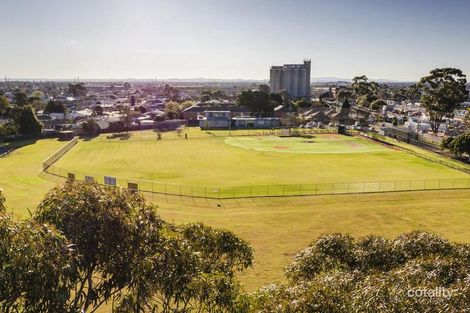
260 191
456 165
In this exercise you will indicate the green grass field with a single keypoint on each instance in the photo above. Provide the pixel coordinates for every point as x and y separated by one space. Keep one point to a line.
20 174
319 144
219 166
276 227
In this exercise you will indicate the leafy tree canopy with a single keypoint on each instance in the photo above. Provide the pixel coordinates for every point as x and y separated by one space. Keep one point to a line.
130 255
258 102
77 90
458 145
54 107
20 98
441 91
338 273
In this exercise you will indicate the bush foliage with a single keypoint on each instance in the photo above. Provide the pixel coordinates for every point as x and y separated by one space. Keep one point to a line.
338 273
87 245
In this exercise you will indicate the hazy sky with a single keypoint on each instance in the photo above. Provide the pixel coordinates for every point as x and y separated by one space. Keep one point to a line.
394 39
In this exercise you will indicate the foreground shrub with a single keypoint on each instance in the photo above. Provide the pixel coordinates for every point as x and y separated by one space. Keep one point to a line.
87 245
37 271
338 273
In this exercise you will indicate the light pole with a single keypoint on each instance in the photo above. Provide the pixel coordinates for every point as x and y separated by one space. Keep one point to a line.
229 120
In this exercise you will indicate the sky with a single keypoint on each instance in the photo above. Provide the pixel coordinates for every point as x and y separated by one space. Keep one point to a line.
155 39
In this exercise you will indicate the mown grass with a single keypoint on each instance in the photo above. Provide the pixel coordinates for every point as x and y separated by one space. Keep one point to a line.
279 227
207 165
20 174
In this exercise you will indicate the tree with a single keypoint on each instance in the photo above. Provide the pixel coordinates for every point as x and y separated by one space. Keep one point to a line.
413 92
360 86
377 104
458 145
467 120
441 91
363 101
36 267
343 95
105 248
205 98
4 106
77 90
126 118
54 107
20 98
117 127
364 91
338 273
264 88
2 202
172 109
258 102
98 110
37 94
186 104
27 121
90 127
8 129
446 143
276 97
216 94
129 253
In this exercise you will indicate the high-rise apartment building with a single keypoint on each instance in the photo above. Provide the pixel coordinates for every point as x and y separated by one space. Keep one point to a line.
294 78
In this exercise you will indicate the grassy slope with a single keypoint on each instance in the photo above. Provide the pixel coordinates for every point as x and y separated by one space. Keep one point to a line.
20 175
211 162
279 227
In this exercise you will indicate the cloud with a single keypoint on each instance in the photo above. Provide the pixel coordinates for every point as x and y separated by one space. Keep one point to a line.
72 42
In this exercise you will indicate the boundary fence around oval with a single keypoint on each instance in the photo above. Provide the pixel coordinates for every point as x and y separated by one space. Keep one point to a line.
262 191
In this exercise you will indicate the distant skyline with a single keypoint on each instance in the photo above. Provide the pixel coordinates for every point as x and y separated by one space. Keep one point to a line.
154 39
